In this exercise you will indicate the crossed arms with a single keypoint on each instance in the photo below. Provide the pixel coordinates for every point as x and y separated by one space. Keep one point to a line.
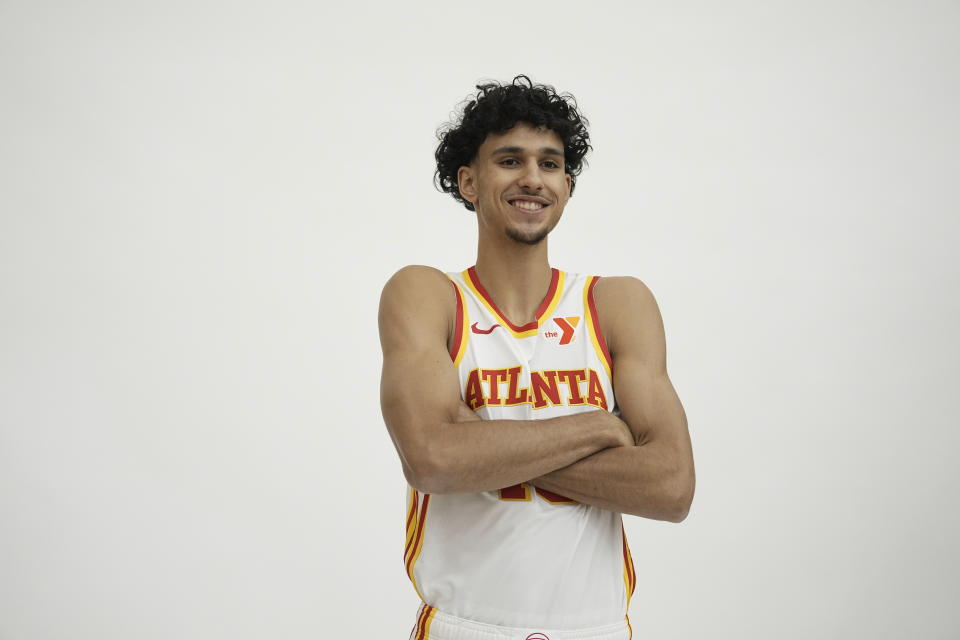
641 464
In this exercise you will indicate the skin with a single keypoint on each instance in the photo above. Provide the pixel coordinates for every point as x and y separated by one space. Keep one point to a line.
641 464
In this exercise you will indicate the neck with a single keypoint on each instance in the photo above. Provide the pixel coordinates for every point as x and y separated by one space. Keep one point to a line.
515 275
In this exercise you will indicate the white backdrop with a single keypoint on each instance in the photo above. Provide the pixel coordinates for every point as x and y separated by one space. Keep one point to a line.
201 202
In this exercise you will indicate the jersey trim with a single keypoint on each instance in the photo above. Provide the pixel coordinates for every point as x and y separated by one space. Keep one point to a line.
415 541
460 333
593 322
411 521
422 629
629 572
549 303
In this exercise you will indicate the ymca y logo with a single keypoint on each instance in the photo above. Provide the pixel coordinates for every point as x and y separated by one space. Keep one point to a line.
567 326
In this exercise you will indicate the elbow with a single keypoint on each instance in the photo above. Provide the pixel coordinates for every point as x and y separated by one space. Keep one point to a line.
425 477
417 479
682 496
427 480
672 503
426 472
678 515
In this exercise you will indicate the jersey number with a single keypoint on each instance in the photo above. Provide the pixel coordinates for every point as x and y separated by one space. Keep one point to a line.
522 492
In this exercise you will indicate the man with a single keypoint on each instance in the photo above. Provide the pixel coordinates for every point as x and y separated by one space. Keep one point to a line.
498 392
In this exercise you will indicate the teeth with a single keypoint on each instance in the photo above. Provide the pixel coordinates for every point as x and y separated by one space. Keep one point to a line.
526 204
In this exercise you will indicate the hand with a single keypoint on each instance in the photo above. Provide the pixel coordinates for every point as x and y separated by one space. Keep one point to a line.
466 414
623 436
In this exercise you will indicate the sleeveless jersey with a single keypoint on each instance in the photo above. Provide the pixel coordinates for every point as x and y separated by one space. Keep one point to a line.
521 556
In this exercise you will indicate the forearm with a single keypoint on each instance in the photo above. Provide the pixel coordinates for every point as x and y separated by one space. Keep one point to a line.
485 455
647 480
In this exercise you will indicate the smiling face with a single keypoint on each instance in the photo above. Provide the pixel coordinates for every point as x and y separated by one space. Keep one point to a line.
517 183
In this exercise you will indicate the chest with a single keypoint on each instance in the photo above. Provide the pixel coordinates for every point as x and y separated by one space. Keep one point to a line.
550 367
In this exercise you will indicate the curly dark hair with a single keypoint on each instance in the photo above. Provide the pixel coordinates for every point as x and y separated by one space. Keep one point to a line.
497 108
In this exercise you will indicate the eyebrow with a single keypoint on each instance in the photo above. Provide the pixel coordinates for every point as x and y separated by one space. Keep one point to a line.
547 150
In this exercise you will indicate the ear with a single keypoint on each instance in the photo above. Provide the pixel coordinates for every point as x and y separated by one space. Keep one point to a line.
569 183
466 181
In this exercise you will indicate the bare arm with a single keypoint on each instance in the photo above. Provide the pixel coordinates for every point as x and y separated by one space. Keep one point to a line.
442 450
654 479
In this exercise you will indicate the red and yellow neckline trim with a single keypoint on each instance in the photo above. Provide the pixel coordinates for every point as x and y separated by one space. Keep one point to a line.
549 303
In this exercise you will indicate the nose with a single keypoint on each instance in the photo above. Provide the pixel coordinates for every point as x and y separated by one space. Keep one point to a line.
531 178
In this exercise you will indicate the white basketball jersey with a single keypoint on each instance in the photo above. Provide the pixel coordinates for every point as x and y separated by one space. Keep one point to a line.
520 556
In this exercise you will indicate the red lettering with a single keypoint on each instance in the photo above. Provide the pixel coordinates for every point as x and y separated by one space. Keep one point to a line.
543 385
515 492
595 394
573 377
494 377
554 498
473 394
515 395
521 492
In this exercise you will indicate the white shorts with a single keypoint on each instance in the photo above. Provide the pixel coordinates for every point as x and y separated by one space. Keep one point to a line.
433 624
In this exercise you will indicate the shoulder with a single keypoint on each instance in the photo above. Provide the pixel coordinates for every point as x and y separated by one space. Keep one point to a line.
616 293
627 311
419 281
419 298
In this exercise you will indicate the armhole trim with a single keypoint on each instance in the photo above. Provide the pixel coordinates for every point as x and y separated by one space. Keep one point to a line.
593 323
459 344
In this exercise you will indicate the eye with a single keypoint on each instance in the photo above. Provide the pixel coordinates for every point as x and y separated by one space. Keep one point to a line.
551 164
508 161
